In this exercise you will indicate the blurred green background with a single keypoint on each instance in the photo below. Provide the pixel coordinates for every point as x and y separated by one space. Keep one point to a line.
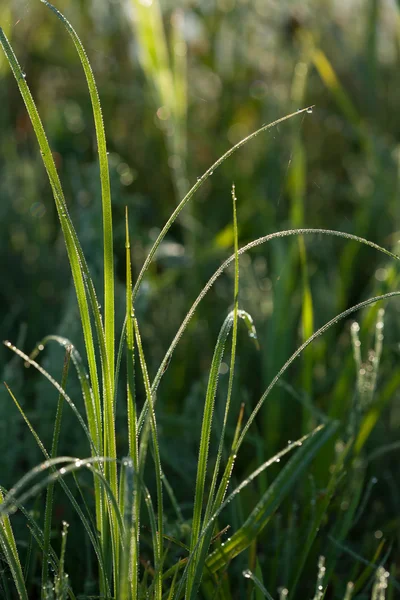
222 69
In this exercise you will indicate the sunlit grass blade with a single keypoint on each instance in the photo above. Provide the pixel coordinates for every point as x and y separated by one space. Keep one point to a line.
76 359
225 265
299 445
207 420
189 196
272 498
9 548
132 418
50 464
75 254
79 269
107 350
50 489
58 387
105 189
250 575
157 463
196 186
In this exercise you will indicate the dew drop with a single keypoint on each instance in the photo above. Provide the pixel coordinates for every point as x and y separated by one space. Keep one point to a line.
309 110
278 460
40 347
8 344
247 573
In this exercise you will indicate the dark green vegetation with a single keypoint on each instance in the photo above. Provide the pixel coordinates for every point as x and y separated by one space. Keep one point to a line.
179 89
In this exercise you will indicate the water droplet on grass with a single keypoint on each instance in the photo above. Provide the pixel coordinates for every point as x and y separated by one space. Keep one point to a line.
247 573
309 110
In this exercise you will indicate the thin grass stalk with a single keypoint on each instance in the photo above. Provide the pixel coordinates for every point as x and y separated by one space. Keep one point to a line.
157 463
225 265
50 490
9 547
206 429
105 189
132 419
203 548
50 462
80 272
303 449
109 433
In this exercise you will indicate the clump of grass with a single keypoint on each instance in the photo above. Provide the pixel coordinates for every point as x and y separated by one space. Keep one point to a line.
123 498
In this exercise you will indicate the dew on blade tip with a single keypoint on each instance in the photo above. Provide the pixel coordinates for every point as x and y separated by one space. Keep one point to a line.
247 573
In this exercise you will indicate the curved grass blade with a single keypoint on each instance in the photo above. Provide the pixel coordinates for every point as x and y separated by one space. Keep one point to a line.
79 268
271 499
197 185
58 387
105 188
204 448
187 198
50 490
83 377
73 464
225 265
296 444
66 489
80 272
9 547
107 350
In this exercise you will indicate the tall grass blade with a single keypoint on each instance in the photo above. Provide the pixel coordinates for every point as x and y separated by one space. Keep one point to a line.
50 490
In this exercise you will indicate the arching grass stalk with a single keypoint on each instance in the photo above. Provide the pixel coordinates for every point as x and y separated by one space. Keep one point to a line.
225 265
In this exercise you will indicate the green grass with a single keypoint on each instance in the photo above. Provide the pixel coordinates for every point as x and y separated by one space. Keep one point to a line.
294 508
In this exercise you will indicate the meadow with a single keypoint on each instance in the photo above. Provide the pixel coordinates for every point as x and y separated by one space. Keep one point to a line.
200 299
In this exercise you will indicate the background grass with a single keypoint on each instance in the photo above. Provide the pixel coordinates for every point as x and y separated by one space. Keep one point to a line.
245 64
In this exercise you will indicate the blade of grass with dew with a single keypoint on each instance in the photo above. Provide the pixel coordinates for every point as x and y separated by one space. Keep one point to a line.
61 579
50 490
80 272
38 535
272 498
183 203
127 491
294 445
72 464
66 224
225 265
105 189
319 515
57 386
202 461
132 418
318 333
66 489
87 392
257 583
204 448
109 327
9 547
108 267
232 321
157 463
